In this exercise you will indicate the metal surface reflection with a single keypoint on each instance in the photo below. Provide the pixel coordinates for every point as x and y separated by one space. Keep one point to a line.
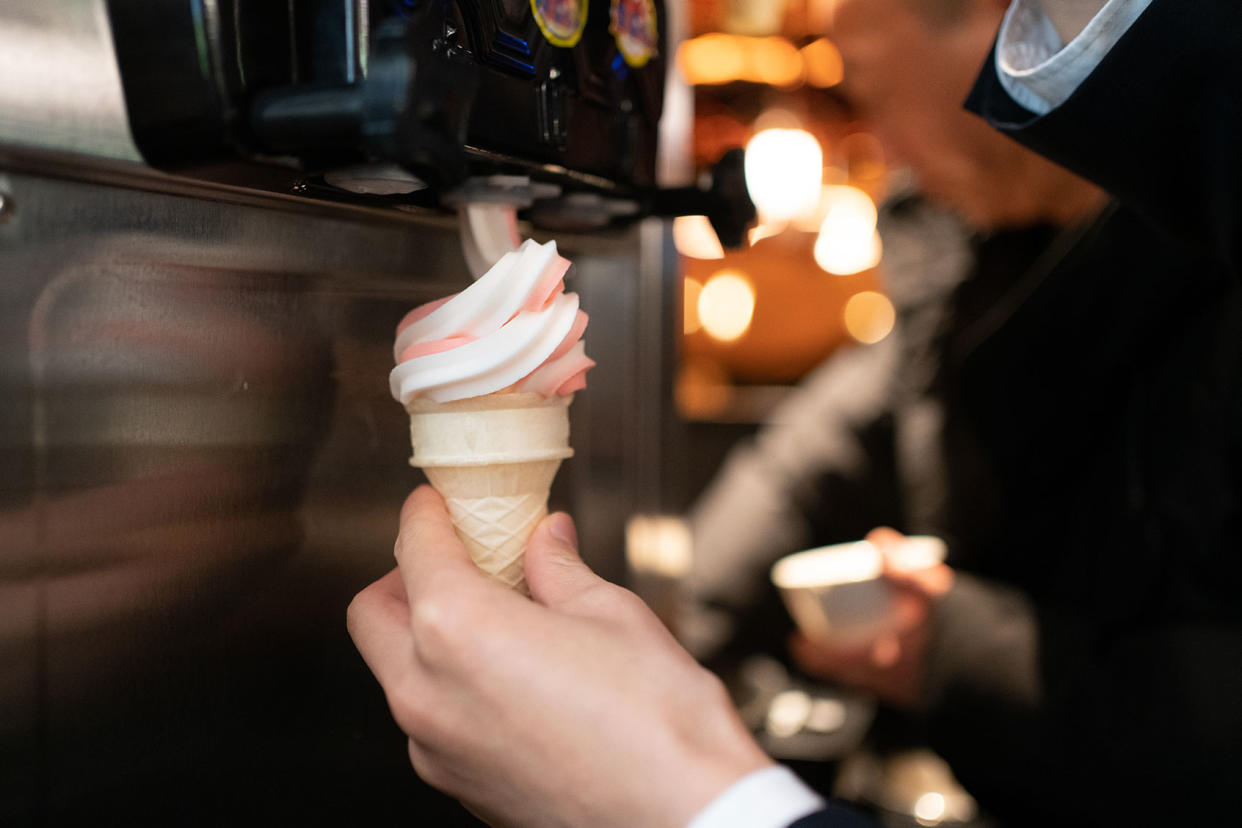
199 466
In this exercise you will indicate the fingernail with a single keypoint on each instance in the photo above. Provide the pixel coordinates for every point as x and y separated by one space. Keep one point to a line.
561 527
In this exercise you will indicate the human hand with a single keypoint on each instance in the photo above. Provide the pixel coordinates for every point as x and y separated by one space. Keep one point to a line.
892 665
574 708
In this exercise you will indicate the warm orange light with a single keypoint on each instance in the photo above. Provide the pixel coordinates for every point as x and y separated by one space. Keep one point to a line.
776 118
822 63
784 169
694 237
727 305
722 58
711 58
812 220
847 242
690 322
844 255
847 210
702 389
775 61
869 316
767 230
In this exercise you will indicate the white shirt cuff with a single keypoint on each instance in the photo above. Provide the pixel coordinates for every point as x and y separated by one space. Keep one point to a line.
1039 71
770 798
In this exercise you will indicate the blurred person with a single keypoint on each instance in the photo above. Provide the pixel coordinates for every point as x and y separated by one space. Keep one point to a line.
576 707
863 442
1096 470
1074 444
910 63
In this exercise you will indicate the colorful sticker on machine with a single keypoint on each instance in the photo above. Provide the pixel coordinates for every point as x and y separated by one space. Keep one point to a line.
561 21
633 25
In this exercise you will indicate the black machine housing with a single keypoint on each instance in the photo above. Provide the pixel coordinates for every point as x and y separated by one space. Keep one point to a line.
458 93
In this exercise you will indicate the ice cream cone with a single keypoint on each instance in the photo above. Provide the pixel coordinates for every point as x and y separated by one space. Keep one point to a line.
493 459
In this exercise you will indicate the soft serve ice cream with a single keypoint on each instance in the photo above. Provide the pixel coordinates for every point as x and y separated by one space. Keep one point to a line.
515 329
487 376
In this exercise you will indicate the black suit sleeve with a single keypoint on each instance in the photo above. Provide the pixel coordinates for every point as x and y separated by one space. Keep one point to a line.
1158 123
835 816
1089 715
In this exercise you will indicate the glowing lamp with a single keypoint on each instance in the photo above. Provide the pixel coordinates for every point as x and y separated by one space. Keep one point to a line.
869 316
694 237
847 242
784 169
726 305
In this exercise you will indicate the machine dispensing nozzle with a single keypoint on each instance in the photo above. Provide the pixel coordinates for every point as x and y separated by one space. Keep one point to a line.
487 215
488 231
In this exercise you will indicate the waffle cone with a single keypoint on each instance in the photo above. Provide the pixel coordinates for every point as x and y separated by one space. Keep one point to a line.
493 459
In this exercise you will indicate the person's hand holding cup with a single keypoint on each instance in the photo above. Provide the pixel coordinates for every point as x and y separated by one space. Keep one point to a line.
863 610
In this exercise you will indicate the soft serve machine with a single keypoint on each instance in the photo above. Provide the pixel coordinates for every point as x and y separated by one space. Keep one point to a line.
212 214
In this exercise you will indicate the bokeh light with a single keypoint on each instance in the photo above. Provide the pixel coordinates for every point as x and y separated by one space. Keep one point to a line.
848 242
694 237
784 170
869 316
719 58
711 58
787 713
827 715
766 230
822 65
775 61
929 808
845 255
847 210
703 389
658 545
690 322
726 305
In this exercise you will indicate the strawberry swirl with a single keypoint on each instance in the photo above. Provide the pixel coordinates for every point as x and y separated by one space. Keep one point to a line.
515 329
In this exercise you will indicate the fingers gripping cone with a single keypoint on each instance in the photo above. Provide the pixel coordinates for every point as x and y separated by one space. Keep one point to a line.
493 459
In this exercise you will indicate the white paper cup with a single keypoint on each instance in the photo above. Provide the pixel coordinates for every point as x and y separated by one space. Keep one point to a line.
836 594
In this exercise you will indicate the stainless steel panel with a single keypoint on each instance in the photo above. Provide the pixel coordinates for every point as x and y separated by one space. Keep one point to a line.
199 466
59 84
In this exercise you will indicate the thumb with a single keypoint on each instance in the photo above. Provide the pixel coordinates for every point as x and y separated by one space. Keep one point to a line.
886 651
884 538
555 573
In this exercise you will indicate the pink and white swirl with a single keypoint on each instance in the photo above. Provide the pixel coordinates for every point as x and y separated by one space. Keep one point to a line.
515 329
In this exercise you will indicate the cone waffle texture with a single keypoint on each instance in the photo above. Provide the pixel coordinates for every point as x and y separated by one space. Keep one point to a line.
493 459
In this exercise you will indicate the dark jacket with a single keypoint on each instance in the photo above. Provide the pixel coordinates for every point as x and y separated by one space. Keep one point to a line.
1095 440
1106 415
1085 472
1092 645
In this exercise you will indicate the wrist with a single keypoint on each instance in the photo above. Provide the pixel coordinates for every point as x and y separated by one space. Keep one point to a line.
716 775
772 797
716 752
